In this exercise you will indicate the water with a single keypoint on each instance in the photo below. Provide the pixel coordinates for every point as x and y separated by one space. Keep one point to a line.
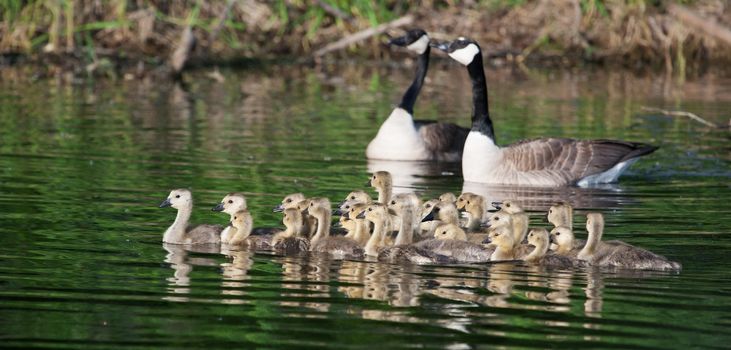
83 166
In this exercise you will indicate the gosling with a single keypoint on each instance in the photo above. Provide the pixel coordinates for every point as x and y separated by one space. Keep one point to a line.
179 232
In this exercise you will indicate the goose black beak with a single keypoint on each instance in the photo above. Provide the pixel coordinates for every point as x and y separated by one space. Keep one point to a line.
428 217
443 46
368 183
166 203
487 240
400 41
361 215
278 209
219 207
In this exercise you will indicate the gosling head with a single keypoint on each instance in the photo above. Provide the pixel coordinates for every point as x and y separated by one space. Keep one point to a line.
448 197
463 199
178 198
450 231
563 237
241 219
292 218
400 203
500 219
290 201
355 211
538 237
501 237
470 202
415 40
594 223
462 50
560 214
358 196
374 213
509 207
231 203
318 207
380 179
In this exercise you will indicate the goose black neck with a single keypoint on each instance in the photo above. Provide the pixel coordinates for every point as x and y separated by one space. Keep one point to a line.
480 115
409 99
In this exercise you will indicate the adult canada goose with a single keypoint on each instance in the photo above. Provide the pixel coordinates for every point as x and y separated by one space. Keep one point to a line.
244 223
539 238
179 232
230 204
400 136
338 247
545 162
289 242
617 253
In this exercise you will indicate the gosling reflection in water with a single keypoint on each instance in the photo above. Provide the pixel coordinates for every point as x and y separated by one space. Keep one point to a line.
304 278
182 265
234 273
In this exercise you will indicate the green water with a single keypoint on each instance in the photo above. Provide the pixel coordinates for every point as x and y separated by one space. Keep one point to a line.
84 164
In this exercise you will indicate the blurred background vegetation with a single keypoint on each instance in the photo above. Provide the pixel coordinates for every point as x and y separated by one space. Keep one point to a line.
84 36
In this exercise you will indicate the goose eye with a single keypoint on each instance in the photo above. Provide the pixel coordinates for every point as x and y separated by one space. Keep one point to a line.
312 204
461 199
428 205
374 177
177 196
236 217
468 202
347 207
507 205
550 211
497 218
230 201
289 200
370 209
558 233
352 197
393 202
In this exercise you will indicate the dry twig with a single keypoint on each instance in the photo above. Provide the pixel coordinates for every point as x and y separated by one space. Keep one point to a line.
363 35
680 114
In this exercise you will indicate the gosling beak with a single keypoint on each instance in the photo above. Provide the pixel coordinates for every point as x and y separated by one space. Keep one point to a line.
443 46
497 205
392 212
306 211
487 240
337 212
347 215
278 209
166 203
552 239
230 223
525 240
361 215
368 183
428 217
545 218
219 207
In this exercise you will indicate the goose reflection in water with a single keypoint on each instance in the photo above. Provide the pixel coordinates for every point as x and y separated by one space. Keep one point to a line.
234 273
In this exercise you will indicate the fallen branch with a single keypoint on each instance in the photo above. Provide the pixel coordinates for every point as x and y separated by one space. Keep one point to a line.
363 35
692 19
680 114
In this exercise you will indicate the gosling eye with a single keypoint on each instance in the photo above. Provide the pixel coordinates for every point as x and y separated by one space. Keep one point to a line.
347 207
370 209
289 200
507 205
312 204
558 233
468 202
177 196
428 205
236 217
497 218
393 202
352 197
550 211
230 201
374 177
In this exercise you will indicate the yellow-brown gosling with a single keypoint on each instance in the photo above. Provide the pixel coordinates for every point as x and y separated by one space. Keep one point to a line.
383 183
295 200
179 232
474 205
289 242
450 231
619 254
230 204
561 214
338 246
244 223
539 238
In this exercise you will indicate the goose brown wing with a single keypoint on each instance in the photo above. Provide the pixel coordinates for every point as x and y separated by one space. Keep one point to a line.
205 234
574 158
442 138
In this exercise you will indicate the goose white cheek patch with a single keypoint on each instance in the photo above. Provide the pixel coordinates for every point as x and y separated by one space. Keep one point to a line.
466 54
420 45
